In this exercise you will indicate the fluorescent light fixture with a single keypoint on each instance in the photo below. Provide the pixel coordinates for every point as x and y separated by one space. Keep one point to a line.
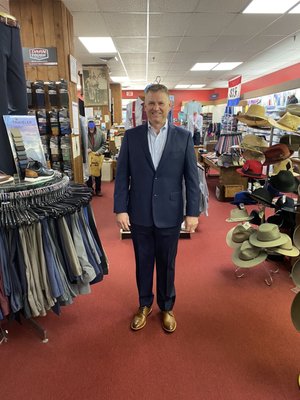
119 79
182 86
102 45
196 86
203 66
269 6
226 66
295 10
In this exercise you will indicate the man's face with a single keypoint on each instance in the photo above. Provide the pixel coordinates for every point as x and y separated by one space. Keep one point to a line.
157 106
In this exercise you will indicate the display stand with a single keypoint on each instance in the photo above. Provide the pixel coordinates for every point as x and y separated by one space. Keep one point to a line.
268 280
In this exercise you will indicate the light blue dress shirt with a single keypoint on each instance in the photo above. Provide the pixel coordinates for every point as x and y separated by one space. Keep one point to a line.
157 142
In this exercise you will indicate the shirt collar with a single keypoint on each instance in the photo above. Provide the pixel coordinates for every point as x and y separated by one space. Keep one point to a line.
163 128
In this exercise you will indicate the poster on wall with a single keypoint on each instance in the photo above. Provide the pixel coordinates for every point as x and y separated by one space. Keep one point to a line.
95 85
25 140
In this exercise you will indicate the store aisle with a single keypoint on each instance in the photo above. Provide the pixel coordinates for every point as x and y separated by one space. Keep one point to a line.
234 339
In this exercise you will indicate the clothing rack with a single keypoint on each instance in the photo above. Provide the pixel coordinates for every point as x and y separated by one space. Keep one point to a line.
50 250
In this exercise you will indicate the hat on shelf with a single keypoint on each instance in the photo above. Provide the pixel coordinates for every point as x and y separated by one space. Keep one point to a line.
291 140
286 249
242 103
247 256
283 219
288 122
253 155
285 181
243 198
293 109
295 273
296 237
263 196
285 165
254 143
238 215
255 116
277 153
237 235
267 235
287 204
252 169
295 312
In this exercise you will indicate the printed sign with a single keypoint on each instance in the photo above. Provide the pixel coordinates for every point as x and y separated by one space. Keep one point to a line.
234 91
40 55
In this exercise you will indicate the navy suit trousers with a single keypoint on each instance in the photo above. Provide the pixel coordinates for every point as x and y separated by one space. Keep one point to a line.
13 99
155 246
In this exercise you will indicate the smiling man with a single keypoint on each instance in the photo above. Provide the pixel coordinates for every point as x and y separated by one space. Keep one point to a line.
148 200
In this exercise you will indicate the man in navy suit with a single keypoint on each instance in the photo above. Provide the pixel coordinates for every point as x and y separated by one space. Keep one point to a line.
153 162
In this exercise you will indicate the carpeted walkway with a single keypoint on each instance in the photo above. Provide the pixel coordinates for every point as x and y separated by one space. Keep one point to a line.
234 340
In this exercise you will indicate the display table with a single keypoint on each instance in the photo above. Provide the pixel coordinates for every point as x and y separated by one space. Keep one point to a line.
230 182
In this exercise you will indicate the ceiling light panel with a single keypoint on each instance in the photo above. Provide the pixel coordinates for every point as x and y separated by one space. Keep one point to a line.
182 86
197 86
226 66
295 10
203 66
98 44
269 6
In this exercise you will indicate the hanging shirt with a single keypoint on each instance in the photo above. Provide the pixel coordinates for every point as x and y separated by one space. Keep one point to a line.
157 142
191 107
135 114
195 123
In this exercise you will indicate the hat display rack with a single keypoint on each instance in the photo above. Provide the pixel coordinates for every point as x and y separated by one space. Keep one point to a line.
263 188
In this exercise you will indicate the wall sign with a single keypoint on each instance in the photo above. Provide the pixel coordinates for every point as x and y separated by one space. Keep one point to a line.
39 55
234 91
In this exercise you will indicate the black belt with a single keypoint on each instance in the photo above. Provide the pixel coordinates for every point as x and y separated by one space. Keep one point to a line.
9 21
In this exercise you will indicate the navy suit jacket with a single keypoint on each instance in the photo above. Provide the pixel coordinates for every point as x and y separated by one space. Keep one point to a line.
154 197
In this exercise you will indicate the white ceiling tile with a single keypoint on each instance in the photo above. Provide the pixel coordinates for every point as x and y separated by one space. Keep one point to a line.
196 44
248 24
89 24
214 6
173 5
173 24
130 58
161 57
130 45
118 6
79 5
209 24
125 24
261 42
286 25
164 44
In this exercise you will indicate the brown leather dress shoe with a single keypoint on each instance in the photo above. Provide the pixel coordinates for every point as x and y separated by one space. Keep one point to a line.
140 318
168 321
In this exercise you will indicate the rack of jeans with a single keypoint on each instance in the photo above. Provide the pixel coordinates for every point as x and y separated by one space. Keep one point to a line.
50 250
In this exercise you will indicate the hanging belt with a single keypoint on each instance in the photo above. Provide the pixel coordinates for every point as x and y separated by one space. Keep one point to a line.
9 20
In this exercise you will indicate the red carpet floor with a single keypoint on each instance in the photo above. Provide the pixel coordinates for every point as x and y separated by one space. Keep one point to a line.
234 337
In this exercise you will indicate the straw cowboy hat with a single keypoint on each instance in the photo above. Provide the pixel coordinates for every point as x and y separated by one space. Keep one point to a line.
288 122
267 235
237 235
285 165
254 143
255 116
251 169
276 153
253 155
238 215
286 249
285 182
247 256
295 312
